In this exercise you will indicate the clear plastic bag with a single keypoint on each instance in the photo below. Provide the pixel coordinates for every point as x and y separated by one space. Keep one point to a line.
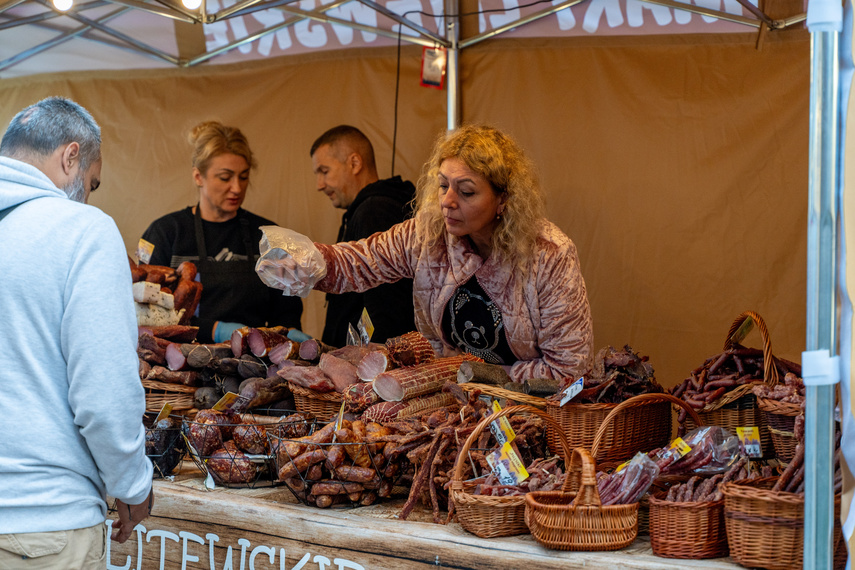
289 261
635 479
713 450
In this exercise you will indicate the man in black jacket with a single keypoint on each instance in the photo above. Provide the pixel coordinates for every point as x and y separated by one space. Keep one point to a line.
343 163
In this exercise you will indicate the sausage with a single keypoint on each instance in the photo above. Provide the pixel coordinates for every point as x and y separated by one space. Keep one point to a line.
261 341
335 488
315 472
323 501
715 394
405 383
357 450
356 474
301 463
312 349
335 457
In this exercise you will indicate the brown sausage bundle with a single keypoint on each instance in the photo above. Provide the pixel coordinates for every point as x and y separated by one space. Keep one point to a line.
410 349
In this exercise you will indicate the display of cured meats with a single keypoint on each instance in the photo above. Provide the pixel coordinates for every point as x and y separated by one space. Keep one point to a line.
165 296
234 449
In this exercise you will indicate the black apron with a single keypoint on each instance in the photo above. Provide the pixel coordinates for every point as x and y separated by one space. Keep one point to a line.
231 291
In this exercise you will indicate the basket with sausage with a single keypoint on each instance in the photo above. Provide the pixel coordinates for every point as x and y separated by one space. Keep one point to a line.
234 449
336 465
720 390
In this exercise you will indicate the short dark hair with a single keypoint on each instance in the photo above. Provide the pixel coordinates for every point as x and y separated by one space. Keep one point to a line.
350 135
43 127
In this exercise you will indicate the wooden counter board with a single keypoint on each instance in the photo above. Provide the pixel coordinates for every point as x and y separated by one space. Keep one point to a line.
255 529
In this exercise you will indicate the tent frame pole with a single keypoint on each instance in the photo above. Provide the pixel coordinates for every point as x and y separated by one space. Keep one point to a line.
452 24
821 322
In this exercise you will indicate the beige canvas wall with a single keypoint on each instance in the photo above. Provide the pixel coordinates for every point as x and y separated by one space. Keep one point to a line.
678 164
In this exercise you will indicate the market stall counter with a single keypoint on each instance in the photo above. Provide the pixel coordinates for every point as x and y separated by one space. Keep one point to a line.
253 529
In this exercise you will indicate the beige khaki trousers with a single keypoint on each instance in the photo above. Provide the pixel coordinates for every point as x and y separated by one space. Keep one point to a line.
79 549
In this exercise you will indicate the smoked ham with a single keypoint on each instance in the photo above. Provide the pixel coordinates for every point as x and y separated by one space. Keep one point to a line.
404 383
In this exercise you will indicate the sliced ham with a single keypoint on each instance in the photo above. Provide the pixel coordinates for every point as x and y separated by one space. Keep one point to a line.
373 364
312 349
261 341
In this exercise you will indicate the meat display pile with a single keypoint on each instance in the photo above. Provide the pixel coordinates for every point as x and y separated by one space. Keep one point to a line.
234 448
791 391
700 489
165 296
617 376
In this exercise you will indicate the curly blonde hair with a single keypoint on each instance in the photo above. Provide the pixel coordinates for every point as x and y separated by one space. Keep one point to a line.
503 164
212 138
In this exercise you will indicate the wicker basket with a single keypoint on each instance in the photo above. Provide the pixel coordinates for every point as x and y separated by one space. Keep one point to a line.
574 518
159 393
765 528
780 417
687 530
498 392
324 405
488 516
738 408
644 423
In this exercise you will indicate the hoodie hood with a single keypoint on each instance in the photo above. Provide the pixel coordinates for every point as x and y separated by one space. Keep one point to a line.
21 182
395 188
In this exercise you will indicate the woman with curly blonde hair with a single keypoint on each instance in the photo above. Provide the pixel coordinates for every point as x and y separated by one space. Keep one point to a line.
491 276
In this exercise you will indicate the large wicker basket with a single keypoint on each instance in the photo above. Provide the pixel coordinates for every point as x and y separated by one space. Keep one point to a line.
687 530
574 518
487 516
765 528
738 408
644 424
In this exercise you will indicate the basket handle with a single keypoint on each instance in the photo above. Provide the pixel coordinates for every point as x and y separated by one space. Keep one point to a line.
641 399
457 475
582 478
770 371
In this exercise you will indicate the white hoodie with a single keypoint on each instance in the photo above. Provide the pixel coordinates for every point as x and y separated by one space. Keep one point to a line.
72 403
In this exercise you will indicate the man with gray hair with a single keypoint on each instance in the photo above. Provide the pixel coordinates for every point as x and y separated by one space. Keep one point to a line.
72 425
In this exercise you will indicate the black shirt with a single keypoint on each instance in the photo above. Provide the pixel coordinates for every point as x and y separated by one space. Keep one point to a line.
376 208
245 299
473 323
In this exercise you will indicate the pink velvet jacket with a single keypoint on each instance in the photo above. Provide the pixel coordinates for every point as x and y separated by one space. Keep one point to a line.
544 308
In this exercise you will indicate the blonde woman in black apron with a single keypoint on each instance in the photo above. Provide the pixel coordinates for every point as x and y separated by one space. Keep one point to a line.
221 238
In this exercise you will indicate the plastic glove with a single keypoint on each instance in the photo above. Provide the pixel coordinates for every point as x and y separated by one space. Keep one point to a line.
289 261
223 330
297 335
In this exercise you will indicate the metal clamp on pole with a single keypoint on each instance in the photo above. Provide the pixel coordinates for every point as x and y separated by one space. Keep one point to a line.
825 16
819 368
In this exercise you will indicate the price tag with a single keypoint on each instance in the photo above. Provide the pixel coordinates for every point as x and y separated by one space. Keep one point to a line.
749 439
501 427
570 391
739 334
231 402
164 413
680 446
507 466
353 337
144 251
366 327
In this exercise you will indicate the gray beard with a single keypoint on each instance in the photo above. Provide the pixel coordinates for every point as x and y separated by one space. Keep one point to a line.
76 189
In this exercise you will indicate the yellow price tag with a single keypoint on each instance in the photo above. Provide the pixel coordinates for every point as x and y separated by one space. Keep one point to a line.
681 446
501 428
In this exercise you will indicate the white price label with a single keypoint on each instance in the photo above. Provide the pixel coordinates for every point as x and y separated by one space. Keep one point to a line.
570 391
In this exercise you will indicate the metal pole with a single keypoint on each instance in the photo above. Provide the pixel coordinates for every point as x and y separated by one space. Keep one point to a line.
452 25
821 298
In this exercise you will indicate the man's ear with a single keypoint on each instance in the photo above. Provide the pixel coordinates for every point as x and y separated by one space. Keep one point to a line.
70 155
354 161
